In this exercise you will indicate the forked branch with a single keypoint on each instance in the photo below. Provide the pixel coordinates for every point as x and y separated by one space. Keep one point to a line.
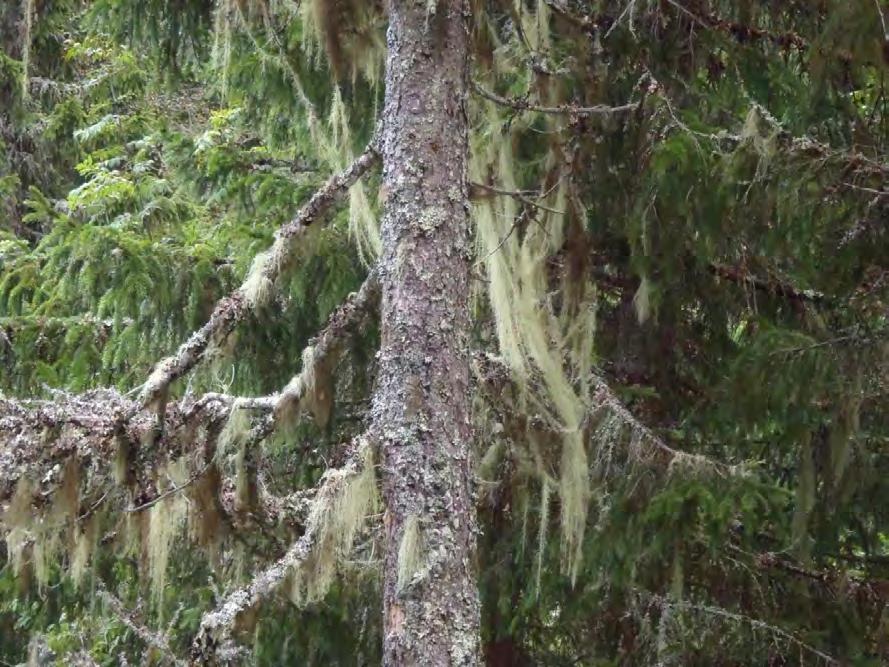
215 640
232 309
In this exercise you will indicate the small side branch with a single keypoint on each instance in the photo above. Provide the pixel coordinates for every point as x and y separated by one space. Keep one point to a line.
771 286
754 624
215 639
232 309
529 198
563 109
319 359
151 638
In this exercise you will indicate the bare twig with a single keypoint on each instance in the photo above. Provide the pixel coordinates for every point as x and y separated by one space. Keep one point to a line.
521 196
873 191
568 109
153 639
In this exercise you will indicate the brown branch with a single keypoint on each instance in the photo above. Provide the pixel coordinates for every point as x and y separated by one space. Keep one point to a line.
232 309
740 32
771 286
569 109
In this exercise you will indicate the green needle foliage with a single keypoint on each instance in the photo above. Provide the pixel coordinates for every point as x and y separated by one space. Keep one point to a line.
686 200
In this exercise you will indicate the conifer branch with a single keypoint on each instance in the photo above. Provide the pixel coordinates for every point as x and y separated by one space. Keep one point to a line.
645 446
755 624
18 323
237 611
232 309
832 579
38 436
740 32
567 109
852 160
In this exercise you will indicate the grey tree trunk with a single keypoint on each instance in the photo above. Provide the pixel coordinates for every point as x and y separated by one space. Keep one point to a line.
421 404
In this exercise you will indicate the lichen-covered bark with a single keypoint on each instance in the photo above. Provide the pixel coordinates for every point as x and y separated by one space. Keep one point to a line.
232 309
39 437
421 405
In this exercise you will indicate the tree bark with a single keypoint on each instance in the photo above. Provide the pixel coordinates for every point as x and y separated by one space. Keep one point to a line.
421 404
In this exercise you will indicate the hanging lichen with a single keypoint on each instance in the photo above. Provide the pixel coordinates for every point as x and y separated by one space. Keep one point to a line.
29 14
534 340
166 520
410 552
335 519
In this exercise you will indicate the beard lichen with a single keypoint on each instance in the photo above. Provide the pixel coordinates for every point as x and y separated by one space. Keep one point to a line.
257 287
19 522
85 537
36 538
410 552
29 8
339 511
547 346
165 522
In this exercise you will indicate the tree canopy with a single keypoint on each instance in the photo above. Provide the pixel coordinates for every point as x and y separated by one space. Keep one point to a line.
679 341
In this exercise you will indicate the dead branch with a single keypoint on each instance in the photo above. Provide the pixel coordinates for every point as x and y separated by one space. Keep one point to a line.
769 285
232 309
215 639
523 196
645 448
567 109
740 32
38 438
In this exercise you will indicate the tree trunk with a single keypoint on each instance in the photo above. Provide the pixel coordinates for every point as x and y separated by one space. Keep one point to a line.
421 404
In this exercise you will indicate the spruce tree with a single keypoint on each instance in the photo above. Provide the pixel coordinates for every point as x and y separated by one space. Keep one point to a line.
591 368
